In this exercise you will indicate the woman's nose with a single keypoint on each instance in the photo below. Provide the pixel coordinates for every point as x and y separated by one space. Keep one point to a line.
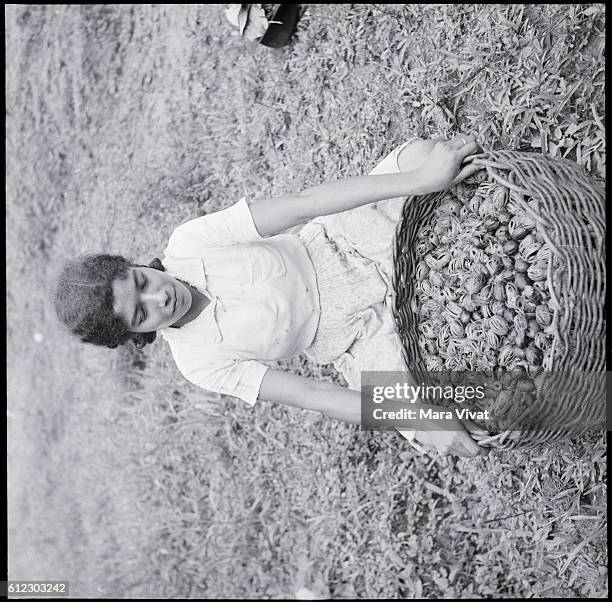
160 298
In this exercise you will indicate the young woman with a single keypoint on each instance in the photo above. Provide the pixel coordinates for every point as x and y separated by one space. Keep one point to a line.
309 271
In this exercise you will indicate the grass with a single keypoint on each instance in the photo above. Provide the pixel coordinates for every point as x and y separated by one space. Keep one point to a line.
125 120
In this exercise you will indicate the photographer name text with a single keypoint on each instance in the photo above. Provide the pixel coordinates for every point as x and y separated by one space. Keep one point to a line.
430 414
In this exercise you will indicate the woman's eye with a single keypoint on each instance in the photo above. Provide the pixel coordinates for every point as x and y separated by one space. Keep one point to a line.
143 316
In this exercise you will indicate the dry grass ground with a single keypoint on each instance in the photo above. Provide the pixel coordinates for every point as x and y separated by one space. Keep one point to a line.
125 120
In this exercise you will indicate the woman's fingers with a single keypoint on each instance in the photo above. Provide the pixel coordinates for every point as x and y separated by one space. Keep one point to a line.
471 446
461 444
480 438
462 140
465 450
461 451
472 428
465 145
471 148
472 440
471 158
466 172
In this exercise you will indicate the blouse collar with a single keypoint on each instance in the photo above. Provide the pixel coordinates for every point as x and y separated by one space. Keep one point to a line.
191 270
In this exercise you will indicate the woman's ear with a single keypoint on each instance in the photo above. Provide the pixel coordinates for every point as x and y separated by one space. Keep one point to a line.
156 264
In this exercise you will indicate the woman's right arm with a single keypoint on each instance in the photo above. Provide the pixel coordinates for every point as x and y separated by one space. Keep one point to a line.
345 404
446 164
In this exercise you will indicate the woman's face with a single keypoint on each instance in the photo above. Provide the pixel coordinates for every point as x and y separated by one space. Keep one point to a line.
149 299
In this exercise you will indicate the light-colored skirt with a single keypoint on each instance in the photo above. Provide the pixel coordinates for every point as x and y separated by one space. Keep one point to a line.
352 253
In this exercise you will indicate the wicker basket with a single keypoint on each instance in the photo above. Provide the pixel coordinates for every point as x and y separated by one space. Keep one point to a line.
565 211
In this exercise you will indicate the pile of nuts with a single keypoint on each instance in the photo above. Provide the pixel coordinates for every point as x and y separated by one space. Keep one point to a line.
482 293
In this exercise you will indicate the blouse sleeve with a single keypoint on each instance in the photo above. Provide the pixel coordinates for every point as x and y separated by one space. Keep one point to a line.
229 226
240 378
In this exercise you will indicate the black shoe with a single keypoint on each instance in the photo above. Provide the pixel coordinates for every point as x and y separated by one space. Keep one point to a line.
278 34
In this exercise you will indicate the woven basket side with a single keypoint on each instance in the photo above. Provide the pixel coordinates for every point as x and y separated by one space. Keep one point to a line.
416 211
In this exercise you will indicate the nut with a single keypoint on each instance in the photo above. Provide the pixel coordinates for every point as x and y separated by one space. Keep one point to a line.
433 363
537 272
454 310
520 265
504 218
422 270
532 328
436 278
529 248
498 325
493 340
485 295
491 223
533 355
502 234
510 247
544 254
451 206
529 293
499 198
494 265
498 308
520 281
511 294
456 328
520 322
541 341
542 315
506 355
428 330
516 230
509 316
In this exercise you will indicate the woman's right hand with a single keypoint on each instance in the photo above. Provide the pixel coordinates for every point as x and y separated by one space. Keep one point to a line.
448 163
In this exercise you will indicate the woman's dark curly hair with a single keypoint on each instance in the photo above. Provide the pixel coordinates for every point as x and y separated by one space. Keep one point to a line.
84 300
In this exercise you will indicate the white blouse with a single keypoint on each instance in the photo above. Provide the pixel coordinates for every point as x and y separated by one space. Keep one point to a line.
264 301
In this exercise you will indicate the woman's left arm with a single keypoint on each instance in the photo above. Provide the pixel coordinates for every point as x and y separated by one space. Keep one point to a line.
445 166
448 437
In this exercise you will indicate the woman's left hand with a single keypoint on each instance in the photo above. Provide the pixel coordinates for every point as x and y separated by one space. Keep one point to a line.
448 163
458 442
